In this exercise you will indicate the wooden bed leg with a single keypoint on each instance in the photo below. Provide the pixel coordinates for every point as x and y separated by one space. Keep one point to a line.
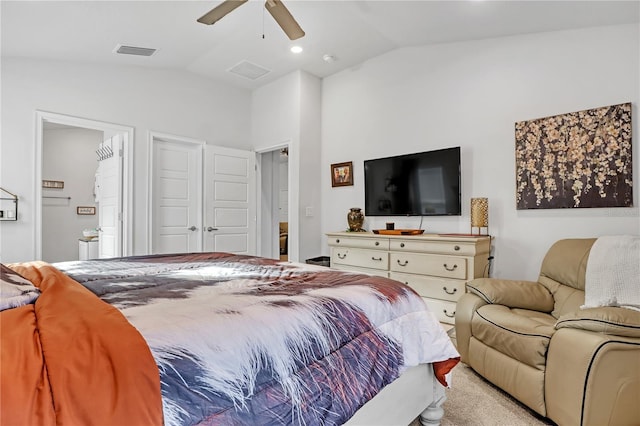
432 415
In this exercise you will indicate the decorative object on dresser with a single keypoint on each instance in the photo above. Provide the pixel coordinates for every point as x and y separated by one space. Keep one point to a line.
355 219
480 214
342 174
436 267
579 159
398 231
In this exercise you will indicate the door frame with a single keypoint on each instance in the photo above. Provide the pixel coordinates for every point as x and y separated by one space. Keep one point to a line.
152 136
292 202
127 172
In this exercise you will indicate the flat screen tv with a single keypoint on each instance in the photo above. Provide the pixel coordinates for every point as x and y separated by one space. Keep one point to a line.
422 184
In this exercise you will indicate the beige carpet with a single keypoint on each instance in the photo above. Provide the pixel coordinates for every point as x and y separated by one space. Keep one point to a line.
474 401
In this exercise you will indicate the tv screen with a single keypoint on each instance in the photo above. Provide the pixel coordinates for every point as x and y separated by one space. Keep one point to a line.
422 184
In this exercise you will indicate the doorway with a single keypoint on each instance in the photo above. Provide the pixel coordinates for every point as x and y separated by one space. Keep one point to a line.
69 171
83 208
275 229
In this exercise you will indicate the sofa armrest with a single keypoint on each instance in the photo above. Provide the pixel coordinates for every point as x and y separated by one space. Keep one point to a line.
592 379
512 293
608 320
466 308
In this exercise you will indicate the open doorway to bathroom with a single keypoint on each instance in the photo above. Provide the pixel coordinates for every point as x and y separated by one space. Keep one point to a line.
69 212
70 153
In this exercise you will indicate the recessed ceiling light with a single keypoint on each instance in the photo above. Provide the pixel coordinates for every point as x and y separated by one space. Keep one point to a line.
328 58
296 49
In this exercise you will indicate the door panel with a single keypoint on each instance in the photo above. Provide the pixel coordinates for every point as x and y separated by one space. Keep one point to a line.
226 217
232 243
230 206
176 197
110 201
231 191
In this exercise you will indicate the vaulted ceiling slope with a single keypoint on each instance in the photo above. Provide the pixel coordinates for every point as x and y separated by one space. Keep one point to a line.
349 31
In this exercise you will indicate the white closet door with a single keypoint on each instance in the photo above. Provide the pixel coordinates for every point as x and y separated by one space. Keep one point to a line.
176 197
110 201
230 200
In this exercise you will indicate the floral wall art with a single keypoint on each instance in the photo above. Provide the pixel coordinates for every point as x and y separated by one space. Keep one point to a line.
579 159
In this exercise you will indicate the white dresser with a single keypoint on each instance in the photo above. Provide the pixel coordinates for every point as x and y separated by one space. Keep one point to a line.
435 266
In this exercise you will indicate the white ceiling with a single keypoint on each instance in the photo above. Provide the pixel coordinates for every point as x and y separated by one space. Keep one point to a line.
351 31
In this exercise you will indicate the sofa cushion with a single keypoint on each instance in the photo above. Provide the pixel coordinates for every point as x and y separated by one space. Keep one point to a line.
518 333
512 293
566 262
607 320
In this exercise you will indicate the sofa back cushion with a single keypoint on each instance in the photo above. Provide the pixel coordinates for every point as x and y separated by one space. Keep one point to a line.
563 272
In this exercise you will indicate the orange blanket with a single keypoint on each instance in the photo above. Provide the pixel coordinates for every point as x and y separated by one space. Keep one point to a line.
72 359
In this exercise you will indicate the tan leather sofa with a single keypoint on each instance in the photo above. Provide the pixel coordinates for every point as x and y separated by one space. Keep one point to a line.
531 339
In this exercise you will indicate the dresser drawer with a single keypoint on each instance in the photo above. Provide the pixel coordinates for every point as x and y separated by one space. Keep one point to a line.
350 268
427 264
444 311
432 287
360 257
355 242
457 248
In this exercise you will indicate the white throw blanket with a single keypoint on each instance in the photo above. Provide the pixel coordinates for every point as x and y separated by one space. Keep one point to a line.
613 273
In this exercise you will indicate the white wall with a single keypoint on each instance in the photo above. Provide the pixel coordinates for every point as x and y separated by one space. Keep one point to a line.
160 100
470 94
69 155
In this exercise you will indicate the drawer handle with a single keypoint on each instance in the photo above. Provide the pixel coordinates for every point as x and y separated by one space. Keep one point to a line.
342 256
401 244
446 290
450 269
377 243
377 259
337 241
447 313
403 264
456 248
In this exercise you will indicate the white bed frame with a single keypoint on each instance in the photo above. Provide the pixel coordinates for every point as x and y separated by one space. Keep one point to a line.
415 393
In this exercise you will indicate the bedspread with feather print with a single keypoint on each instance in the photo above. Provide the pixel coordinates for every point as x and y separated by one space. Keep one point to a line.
243 340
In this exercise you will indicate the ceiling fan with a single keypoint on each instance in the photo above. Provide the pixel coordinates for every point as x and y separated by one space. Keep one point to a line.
275 7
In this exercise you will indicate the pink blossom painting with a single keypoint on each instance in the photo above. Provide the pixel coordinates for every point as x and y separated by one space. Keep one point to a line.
574 160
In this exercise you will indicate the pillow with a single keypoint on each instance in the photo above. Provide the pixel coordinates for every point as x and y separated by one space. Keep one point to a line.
15 290
613 273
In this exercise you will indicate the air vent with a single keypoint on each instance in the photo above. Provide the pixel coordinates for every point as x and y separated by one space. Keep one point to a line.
133 50
248 70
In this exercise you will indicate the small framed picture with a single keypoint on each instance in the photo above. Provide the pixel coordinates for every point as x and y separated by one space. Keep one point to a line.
85 210
53 184
342 174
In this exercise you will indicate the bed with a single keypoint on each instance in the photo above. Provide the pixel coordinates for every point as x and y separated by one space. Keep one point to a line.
216 338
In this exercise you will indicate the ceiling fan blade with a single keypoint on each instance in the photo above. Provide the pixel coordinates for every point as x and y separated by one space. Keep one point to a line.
218 12
286 21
